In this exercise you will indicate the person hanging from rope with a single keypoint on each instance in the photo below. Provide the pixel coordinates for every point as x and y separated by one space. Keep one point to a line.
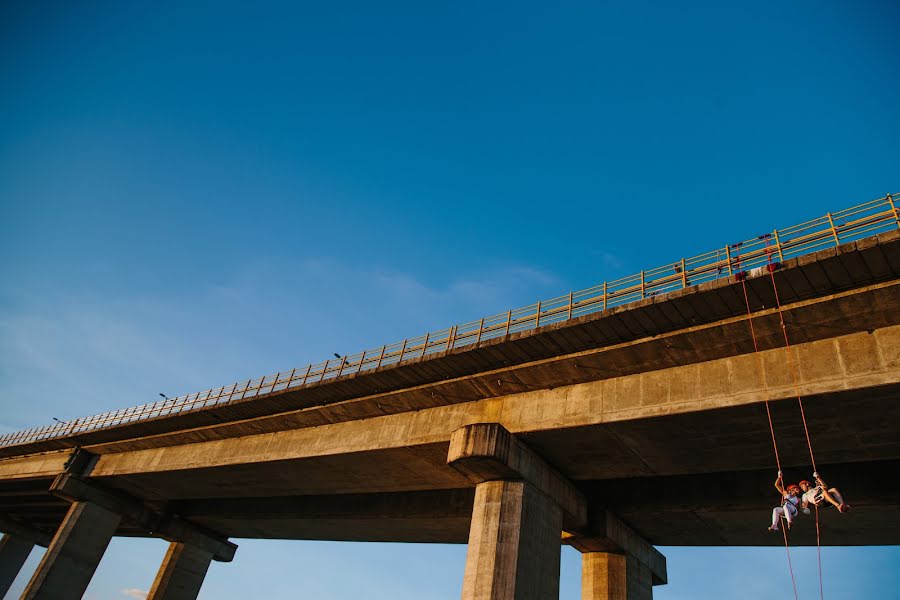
815 494
790 500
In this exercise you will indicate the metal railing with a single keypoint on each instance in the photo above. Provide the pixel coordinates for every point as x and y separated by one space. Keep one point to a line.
860 221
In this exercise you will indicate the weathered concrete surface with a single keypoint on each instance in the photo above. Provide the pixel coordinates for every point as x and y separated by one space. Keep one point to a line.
488 452
606 576
69 563
514 549
181 574
603 576
418 441
13 554
659 390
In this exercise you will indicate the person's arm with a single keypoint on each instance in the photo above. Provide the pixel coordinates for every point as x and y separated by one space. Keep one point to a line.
779 485
820 481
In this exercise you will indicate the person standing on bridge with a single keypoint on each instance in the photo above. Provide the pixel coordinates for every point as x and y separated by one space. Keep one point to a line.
815 495
790 501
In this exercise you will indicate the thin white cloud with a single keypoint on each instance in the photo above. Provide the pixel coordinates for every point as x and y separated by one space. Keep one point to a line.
107 352
134 593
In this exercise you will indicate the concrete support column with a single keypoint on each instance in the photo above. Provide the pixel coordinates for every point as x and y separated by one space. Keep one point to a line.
607 576
74 553
14 552
514 544
181 574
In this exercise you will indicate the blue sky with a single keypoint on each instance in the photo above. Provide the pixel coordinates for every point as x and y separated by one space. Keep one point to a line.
204 192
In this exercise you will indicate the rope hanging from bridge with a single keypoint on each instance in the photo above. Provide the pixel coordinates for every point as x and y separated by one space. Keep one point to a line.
770 266
795 380
742 276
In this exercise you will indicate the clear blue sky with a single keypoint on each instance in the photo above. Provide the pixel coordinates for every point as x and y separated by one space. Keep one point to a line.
196 194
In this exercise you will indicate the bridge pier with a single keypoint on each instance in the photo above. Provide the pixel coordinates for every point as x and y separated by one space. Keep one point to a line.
74 553
608 576
14 552
521 505
181 574
513 543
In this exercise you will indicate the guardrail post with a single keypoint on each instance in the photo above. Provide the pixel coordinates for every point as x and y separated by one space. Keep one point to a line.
341 368
890 200
683 274
306 375
480 330
402 352
834 232
362 359
778 245
451 337
569 317
604 295
642 285
537 317
425 345
508 320
381 356
728 256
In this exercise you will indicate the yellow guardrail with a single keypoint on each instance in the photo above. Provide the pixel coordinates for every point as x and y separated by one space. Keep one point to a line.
853 223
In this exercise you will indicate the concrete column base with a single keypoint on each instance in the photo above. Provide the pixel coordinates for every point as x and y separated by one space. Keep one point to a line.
14 552
181 573
73 555
514 545
607 576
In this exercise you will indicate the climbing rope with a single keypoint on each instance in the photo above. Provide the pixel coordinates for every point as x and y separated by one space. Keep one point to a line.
795 380
742 277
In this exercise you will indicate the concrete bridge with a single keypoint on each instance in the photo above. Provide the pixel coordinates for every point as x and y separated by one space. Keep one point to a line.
613 431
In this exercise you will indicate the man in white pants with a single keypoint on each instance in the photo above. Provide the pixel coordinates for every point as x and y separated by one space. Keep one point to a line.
788 508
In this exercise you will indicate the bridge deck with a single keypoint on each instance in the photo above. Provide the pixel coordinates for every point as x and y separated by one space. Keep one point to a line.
657 404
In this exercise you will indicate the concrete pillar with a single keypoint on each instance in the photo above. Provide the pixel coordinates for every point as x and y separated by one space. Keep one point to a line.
181 574
514 544
607 576
74 553
14 552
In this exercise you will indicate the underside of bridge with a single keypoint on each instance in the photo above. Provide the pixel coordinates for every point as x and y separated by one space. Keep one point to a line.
655 413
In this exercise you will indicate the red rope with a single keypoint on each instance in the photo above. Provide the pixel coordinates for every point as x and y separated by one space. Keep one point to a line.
795 379
819 554
762 374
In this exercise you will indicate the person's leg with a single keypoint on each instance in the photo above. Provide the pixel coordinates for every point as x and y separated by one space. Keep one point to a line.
789 512
833 494
776 517
833 497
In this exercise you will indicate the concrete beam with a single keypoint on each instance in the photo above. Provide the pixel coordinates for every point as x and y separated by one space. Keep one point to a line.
181 574
488 452
14 552
131 509
24 532
609 534
855 361
69 563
